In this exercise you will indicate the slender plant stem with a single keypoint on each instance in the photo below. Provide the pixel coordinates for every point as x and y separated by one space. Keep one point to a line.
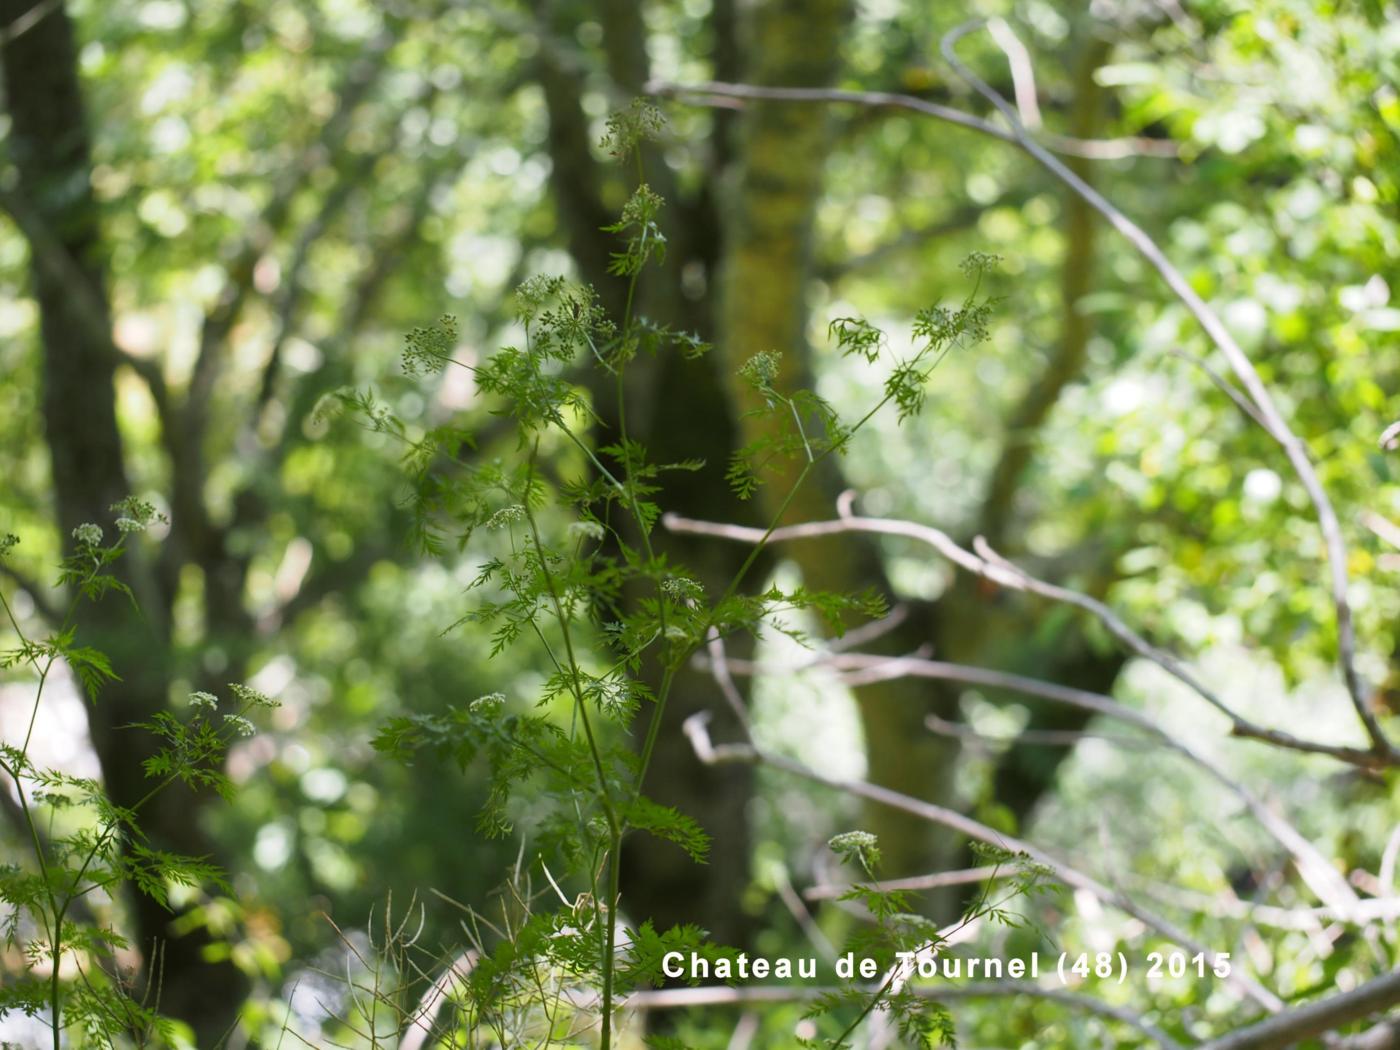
616 828
614 825
758 548
53 918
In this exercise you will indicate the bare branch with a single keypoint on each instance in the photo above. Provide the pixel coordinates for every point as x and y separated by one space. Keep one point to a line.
802 916
869 632
1316 1018
27 21
1022 71
1067 358
712 995
1222 384
1043 737
1320 876
1390 437
1113 149
1308 920
1383 527
419 1026
710 753
1386 875
718 94
1018 59
1384 1036
34 592
993 567
719 669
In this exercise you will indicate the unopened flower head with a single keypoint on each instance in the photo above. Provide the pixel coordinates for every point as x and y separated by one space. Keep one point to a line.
135 514
88 534
251 697
859 846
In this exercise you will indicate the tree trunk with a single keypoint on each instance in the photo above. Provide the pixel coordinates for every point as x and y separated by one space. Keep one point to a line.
54 204
679 410
767 266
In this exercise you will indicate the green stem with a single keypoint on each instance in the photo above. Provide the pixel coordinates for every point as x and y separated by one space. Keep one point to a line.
614 826
570 659
53 917
52 931
653 730
976 912
610 948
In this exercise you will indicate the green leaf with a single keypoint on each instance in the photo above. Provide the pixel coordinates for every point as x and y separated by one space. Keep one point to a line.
666 822
92 668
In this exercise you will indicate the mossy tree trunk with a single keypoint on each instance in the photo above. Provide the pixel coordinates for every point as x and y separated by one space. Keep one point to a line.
782 149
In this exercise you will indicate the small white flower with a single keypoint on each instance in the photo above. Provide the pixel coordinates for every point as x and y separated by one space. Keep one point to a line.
239 725
202 701
125 525
488 704
506 516
591 529
88 533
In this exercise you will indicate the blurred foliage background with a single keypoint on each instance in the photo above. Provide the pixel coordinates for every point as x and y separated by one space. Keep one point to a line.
217 213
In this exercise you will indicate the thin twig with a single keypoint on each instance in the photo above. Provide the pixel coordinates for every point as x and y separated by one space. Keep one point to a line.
34 592
718 94
935 881
993 567
27 21
1222 384
696 730
1316 870
1042 737
1386 875
712 995
1383 527
1308 920
1390 437
719 670
1022 71
1313 1019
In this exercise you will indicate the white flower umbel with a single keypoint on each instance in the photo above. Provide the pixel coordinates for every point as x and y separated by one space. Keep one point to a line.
202 701
240 725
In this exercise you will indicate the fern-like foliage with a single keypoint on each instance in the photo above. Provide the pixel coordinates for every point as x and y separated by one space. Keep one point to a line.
564 531
81 842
